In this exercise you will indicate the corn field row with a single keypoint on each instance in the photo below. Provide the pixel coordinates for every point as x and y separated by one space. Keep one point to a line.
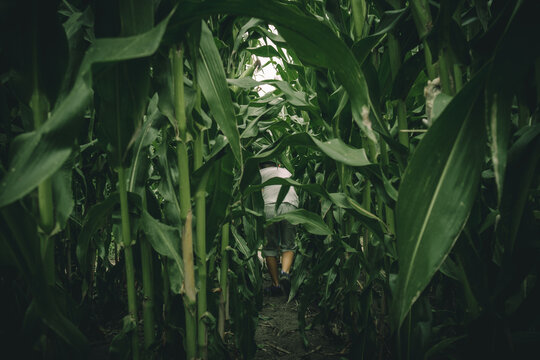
131 132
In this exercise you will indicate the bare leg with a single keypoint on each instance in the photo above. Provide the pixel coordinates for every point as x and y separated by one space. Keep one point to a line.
286 261
271 263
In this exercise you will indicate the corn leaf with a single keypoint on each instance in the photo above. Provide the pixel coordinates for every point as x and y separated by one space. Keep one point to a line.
213 83
166 167
39 154
138 171
164 240
19 235
220 183
334 148
437 193
523 159
312 40
311 221
95 218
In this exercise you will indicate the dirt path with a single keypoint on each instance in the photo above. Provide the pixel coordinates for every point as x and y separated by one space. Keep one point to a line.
278 337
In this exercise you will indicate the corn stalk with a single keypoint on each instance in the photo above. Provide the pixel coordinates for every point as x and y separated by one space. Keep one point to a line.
190 292
128 254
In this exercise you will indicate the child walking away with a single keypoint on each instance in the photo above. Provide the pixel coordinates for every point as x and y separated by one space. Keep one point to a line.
279 236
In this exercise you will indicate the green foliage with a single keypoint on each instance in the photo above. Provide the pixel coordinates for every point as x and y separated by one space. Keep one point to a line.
415 240
445 166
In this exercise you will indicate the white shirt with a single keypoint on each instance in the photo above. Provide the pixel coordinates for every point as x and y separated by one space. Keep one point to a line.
270 193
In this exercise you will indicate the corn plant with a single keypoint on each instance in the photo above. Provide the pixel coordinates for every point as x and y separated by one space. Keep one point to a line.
130 138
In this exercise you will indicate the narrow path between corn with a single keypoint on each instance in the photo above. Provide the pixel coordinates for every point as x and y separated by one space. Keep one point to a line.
278 337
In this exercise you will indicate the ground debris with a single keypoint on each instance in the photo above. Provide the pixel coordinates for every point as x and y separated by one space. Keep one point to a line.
312 351
278 335
279 348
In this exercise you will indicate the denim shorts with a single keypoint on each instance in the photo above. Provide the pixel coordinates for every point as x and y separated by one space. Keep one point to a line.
279 236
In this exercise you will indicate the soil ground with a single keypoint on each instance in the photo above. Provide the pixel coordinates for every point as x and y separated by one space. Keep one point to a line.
278 336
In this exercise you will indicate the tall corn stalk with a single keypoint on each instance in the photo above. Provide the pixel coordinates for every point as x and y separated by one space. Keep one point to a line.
185 205
128 254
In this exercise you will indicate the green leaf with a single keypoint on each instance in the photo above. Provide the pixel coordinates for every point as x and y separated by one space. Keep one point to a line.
220 185
312 40
499 122
93 220
165 241
437 194
339 151
296 98
390 20
440 102
444 346
19 233
120 347
39 154
121 89
407 74
62 195
139 169
312 222
213 83
264 51
334 148
523 159
248 254
120 99
340 200
166 167
245 82
513 50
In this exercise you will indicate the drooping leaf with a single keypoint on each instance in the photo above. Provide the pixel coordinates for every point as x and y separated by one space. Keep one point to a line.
264 51
339 151
311 221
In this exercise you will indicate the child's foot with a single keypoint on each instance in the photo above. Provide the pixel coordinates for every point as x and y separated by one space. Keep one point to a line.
285 282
